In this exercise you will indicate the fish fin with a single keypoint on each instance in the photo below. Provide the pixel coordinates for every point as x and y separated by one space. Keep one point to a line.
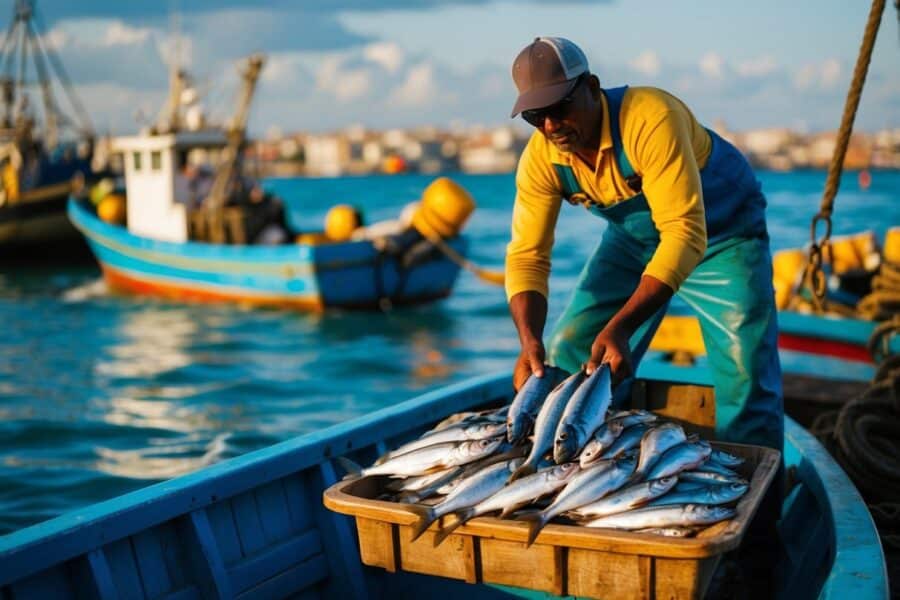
353 469
460 518
536 522
426 516
523 471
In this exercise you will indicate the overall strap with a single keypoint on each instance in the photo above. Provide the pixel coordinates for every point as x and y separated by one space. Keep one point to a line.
570 187
614 98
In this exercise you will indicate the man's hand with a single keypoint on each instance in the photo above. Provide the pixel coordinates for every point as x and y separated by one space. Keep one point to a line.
611 346
531 360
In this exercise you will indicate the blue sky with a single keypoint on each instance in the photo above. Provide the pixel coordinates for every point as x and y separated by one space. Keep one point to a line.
405 63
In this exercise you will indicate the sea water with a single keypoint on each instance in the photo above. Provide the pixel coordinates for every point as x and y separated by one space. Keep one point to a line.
102 394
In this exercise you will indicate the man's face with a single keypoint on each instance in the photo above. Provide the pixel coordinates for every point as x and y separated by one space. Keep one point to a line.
569 124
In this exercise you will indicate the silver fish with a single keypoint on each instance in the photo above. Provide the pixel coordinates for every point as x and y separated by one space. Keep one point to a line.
627 498
497 415
707 477
679 458
656 441
427 459
547 420
515 495
473 431
628 439
469 492
415 484
525 406
470 469
633 416
678 515
602 439
725 459
711 494
585 487
710 466
585 412
676 532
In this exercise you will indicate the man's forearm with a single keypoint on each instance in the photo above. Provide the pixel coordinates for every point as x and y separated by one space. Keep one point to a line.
651 295
529 313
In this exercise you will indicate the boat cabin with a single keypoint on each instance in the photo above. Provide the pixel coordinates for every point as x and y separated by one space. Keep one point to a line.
156 204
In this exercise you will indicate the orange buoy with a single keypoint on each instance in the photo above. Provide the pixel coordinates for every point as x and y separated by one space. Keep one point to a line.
112 209
394 164
865 179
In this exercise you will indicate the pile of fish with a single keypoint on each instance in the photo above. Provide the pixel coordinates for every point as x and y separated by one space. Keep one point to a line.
559 452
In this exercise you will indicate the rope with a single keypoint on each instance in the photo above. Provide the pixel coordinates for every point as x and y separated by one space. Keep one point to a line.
493 277
814 277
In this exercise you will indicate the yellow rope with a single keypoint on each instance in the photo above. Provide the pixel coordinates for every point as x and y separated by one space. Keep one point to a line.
814 278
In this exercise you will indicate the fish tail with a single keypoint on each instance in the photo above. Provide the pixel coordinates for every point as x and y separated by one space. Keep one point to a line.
426 516
535 522
460 518
353 469
523 471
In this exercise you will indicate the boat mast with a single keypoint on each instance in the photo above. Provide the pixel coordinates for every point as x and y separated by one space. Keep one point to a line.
236 136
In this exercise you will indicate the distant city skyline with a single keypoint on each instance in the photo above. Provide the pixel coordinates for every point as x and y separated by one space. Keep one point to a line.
401 63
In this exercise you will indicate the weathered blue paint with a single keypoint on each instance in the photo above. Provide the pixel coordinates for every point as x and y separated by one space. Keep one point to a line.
351 274
192 536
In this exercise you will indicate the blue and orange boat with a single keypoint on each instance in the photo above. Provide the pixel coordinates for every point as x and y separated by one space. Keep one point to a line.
255 526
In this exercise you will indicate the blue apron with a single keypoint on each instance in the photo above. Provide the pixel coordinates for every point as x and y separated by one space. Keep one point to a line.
730 290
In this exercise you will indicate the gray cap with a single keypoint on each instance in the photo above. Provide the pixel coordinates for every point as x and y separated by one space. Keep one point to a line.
545 72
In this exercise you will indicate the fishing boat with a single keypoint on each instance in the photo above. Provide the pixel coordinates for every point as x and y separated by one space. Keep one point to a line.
162 236
255 527
39 157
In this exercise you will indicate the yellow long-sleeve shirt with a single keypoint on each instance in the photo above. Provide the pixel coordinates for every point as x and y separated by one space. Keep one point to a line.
666 146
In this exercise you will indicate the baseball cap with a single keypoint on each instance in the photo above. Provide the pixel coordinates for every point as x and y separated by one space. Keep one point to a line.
545 71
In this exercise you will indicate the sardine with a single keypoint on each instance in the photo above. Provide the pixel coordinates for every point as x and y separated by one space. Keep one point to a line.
725 459
515 495
470 469
469 492
656 441
711 495
676 532
707 477
525 406
585 412
678 515
427 459
473 431
627 498
602 439
710 466
547 420
679 458
415 484
585 487
628 439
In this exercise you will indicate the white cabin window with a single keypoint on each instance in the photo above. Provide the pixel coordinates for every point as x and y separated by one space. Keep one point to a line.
136 157
155 160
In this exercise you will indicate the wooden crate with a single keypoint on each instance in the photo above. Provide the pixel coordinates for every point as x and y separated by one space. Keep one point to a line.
565 559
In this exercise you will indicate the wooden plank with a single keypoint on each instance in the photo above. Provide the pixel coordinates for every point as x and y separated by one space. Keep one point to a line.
677 578
290 581
452 558
376 544
124 570
297 503
221 521
274 560
151 563
338 538
248 524
207 567
273 512
596 574
101 576
174 555
539 567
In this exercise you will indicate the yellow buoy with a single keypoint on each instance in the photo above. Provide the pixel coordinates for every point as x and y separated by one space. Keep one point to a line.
312 239
787 267
892 245
444 208
112 209
341 221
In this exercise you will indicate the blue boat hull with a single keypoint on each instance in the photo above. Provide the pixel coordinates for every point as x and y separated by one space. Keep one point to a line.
349 275
255 527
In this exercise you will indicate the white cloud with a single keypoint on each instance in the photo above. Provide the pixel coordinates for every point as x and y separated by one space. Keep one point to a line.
805 77
119 34
825 75
757 67
831 72
711 65
647 63
387 54
419 87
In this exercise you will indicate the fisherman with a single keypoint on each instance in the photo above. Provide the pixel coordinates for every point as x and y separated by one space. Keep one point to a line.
685 214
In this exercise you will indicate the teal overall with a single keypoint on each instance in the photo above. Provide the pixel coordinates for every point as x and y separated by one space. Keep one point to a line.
730 290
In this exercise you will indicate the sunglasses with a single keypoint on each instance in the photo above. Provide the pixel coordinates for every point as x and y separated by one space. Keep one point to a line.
560 110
